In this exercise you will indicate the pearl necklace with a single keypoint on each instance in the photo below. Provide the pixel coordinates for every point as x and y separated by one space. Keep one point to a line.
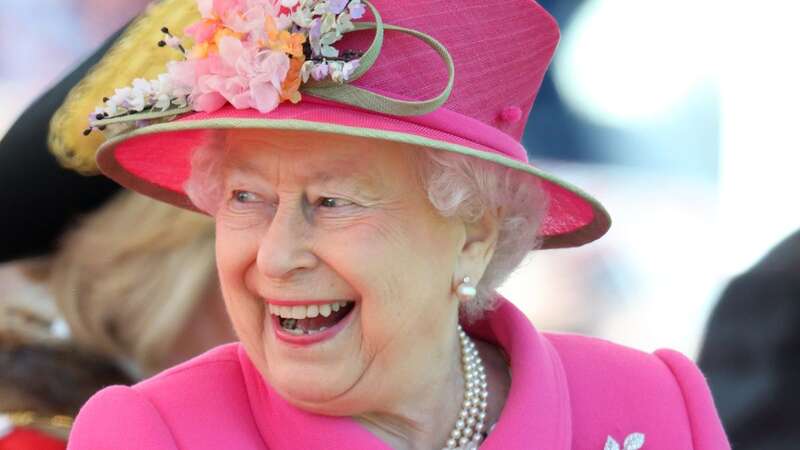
467 433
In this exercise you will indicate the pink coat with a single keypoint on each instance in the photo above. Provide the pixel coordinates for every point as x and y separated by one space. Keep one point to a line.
567 392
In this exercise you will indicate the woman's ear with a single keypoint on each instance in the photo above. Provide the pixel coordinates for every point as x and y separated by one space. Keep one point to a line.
480 239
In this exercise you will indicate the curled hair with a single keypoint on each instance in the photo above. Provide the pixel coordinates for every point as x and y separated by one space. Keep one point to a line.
456 185
205 185
469 187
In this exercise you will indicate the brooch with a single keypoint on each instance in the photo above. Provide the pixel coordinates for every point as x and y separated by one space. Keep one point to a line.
634 441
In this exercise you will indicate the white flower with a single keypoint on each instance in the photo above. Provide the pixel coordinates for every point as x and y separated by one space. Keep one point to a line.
344 24
305 71
142 85
320 8
117 101
329 52
172 42
136 102
163 102
302 18
356 9
289 3
120 94
98 112
162 85
336 71
328 23
140 96
350 67
181 102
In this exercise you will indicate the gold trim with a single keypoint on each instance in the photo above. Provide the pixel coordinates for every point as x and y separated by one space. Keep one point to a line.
28 418
57 426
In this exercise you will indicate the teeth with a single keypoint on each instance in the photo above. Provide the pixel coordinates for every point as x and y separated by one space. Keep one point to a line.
325 310
290 327
298 312
306 311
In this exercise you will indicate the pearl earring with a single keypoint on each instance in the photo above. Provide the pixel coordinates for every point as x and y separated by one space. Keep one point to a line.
465 290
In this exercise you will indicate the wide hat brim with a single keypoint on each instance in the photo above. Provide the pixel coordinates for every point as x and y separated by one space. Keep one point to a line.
155 160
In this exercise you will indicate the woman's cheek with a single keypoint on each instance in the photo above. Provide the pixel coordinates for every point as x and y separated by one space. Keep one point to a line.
236 250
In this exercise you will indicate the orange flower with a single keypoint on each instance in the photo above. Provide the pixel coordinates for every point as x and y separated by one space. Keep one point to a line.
290 89
199 51
283 41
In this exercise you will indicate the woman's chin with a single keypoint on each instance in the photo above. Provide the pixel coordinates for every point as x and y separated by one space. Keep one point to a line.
315 396
317 376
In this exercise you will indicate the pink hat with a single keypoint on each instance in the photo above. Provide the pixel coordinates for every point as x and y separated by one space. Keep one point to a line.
453 75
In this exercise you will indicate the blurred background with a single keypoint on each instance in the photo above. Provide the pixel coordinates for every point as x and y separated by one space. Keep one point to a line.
679 115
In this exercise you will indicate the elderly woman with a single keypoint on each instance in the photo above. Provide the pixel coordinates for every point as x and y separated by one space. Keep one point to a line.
369 196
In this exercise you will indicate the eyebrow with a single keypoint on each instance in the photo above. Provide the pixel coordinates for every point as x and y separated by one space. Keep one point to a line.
330 174
333 172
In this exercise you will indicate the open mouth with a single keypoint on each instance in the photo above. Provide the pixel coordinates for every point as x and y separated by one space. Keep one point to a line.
302 320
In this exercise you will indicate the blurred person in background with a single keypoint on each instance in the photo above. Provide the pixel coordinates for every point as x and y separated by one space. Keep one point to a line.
28 173
137 281
133 291
751 353
44 377
30 176
95 326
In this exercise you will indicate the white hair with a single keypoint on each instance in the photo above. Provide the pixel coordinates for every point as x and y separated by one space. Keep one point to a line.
456 185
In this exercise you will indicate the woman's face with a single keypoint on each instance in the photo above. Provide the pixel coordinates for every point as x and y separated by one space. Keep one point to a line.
309 221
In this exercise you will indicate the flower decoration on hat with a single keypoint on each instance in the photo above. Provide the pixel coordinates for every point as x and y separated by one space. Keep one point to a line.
248 53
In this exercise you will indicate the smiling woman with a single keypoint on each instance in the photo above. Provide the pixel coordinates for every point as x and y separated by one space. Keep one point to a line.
361 238
311 232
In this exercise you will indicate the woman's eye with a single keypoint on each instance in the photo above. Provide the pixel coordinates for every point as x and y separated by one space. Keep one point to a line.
245 197
331 202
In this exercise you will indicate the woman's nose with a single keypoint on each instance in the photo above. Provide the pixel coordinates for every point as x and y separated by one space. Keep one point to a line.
285 246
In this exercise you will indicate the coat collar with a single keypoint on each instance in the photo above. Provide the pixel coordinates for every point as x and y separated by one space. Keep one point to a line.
536 414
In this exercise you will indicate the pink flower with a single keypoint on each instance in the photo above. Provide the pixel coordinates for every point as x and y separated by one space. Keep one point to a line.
202 31
218 9
224 7
182 73
208 102
206 8
250 18
241 16
241 74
